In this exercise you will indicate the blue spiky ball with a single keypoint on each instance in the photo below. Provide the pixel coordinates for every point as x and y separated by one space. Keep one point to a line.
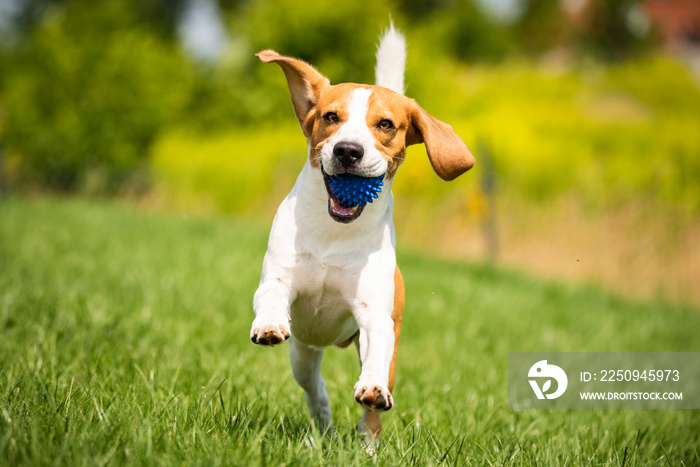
352 190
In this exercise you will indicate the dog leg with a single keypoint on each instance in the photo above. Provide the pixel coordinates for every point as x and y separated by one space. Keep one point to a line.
306 368
271 306
370 425
373 398
369 429
376 345
396 317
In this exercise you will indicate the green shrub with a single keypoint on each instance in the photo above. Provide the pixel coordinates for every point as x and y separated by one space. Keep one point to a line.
338 37
87 95
247 170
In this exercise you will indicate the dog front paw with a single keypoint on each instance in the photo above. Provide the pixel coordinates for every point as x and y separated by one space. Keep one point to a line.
374 397
269 332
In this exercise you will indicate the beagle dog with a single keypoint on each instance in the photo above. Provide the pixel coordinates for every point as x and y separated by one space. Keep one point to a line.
329 276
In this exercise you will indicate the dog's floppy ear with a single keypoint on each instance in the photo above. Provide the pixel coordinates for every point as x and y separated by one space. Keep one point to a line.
304 81
447 152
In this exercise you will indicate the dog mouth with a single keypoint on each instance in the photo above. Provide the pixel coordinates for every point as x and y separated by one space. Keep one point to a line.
339 211
348 194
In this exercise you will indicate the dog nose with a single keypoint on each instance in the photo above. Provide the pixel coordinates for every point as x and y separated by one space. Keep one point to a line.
348 153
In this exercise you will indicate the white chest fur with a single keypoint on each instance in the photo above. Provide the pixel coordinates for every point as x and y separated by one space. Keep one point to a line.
322 270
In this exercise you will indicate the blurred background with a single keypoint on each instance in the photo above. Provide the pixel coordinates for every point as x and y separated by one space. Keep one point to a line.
583 115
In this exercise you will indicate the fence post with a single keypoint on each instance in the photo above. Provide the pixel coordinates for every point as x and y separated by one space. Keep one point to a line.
489 188
4 184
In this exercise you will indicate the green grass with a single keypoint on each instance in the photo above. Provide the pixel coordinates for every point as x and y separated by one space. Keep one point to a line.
124 340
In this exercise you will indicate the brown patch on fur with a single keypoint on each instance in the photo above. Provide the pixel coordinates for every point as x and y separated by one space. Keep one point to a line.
447 152
396 316
304 81
334 99
386 104
372 422
313 97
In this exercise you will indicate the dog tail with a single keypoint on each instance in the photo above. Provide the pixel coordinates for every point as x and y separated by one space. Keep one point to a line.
391 60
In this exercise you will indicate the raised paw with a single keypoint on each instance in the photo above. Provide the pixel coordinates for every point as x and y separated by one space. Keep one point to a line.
269 333
373 397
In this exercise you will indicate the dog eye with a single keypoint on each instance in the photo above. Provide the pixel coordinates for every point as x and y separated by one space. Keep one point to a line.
386 124
331 117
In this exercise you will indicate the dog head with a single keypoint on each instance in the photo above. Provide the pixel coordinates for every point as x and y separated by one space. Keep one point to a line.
364 130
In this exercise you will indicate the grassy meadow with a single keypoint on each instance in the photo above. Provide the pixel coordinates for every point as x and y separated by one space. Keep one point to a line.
124 340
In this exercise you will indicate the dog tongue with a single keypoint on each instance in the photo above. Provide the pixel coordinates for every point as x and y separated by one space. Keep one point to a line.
341 210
